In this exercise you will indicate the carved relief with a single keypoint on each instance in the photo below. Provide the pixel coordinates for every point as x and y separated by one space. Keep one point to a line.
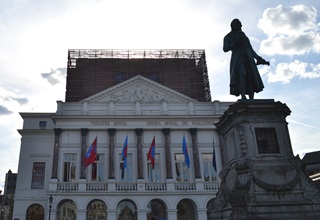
223 193
139 92
242 141
138 89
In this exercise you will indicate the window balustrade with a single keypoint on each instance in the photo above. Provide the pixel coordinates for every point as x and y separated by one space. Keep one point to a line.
134 186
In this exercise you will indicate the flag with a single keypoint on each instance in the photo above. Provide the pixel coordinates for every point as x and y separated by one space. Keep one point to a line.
151 152
124 152
214 163
185 152
91 154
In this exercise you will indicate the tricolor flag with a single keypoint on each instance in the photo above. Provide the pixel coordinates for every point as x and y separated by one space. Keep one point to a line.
185 151
151 153
124 152
91 154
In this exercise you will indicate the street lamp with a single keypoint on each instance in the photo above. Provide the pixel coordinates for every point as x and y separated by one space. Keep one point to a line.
50 205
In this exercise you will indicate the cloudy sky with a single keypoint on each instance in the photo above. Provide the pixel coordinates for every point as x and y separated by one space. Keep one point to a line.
35 36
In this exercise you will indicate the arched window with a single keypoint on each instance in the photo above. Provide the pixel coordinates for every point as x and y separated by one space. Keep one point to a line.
96 210
126 210
157 210
186 210
35 212
67 210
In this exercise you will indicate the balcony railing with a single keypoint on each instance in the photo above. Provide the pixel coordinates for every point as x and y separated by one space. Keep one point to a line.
97 187
156 187
185 186
112 186
126 187
67 186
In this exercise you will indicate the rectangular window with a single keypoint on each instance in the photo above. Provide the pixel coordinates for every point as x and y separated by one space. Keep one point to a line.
126 174
209 174
69 167
97 169
38 175
182 171
42 124
267 141
154 174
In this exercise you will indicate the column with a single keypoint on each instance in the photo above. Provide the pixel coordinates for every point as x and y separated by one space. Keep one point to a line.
111 132
196 163
166 132
84 133
142 213
172 214
54 174
217 151
202 213
112 213
139 152
81 214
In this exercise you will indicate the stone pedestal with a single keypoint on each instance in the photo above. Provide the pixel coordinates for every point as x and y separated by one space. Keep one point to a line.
261 178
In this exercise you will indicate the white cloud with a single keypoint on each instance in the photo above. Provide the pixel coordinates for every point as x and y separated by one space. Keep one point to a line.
55 76
285 72
291 30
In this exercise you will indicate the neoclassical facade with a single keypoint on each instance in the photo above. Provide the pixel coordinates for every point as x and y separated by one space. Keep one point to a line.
54 145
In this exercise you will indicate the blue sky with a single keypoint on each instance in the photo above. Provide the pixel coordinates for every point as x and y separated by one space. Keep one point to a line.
36 35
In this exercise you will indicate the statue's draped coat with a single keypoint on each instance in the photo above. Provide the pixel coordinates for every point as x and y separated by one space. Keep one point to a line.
242 53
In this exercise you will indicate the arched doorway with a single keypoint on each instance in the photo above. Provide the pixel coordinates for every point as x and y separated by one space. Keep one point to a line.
35 212
186 210
126 210
96 210
67 210
157 209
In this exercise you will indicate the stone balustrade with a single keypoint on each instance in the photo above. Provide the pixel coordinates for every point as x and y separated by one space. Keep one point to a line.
141 186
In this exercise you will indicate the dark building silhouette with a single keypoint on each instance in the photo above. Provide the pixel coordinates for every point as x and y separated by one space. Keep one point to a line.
8 195
92 71
312 162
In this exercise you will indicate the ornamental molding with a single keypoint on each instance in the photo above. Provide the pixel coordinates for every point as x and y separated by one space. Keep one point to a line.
278 187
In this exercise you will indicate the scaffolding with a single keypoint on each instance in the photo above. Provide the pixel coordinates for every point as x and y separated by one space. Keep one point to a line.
74 54
101 68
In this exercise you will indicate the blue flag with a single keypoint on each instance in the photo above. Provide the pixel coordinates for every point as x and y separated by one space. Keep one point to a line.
185 152
125 152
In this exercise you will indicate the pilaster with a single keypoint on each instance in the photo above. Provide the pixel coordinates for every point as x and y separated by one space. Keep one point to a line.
196 163
57 132
84 133
166 132
111 132
139 149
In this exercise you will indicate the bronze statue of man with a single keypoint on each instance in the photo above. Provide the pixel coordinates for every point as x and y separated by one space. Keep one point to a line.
244 74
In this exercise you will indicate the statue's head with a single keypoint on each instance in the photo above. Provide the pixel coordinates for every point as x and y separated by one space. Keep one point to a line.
236 24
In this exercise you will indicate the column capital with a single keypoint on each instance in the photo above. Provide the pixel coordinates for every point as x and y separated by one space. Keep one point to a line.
139 131
57 131
193 131
84 131
111 131
166 131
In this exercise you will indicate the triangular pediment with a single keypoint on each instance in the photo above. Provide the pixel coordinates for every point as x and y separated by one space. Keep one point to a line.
140 89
